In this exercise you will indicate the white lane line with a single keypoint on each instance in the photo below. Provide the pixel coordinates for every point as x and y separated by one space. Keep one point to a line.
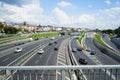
24 77
96 61
5 59
36 61
62 57
64 64
46 64
62 60
58 73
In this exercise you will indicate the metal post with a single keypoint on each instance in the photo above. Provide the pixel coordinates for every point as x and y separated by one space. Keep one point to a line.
62 74
36 75
11 75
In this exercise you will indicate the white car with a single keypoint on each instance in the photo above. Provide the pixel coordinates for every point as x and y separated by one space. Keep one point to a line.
53 38
40 51
18 49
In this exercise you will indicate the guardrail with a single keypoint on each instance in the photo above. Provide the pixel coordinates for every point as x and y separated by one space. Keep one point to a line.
107 51
79 73
93 72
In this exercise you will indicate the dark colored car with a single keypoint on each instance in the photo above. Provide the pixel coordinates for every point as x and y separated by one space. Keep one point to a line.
93 52
89 49
55 48
79 49
36 39
55 42
74 50
50 43
17 44
83 61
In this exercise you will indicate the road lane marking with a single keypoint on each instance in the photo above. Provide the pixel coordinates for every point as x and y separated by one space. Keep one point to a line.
36 61
5 59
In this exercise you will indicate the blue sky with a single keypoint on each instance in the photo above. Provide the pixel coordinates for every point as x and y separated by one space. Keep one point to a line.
91 14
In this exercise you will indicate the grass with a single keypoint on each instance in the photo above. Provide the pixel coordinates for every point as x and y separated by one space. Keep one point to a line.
81 37
7 41
98 38
33 36
9 35
45 35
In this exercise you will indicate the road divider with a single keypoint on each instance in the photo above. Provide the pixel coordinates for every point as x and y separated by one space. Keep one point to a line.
79 73
100 40
113 54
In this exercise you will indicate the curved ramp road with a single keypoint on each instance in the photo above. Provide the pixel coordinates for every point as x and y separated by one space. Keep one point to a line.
108 41
116 41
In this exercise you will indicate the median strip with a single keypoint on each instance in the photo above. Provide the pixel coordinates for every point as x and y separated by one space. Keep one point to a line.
33 36
80 40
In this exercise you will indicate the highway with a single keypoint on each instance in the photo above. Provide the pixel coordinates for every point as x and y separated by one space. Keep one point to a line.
49 57
116 41
8 46
103 59
5 60
10 38
98 59
108 41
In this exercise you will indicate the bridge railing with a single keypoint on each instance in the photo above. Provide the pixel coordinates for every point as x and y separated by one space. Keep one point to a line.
91 72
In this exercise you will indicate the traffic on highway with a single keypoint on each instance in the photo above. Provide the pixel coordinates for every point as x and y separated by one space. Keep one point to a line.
53 51
59 39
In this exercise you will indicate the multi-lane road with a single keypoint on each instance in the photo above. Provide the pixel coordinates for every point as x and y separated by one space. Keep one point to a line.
51 56
98 59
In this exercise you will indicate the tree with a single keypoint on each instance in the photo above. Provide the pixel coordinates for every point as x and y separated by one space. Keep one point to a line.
117 31
1 26
24 23
73 30
108 31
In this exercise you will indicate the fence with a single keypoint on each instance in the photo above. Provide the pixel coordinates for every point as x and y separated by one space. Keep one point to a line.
92 72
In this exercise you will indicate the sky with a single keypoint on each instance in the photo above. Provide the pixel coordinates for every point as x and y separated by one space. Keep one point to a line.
92 14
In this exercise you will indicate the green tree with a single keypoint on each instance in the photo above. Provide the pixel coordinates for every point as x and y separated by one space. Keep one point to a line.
108 31
73 30
24 23
117 31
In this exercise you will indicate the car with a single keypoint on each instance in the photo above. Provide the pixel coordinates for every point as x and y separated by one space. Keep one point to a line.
52 38
79 49
83 61
17 44
55 42
74 50
55 48
40 51
93 52
36 39
19 49
50 43
22 43
30 39
89 49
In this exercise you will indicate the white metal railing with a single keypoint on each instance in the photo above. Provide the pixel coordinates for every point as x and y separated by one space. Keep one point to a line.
92 72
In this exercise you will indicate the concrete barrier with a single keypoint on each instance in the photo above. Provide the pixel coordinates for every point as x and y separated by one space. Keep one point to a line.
107 51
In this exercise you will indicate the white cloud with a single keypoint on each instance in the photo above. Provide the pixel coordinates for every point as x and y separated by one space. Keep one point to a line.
85 18
1 19
33 13
61 16
107 2
64 4
118 3
29 12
